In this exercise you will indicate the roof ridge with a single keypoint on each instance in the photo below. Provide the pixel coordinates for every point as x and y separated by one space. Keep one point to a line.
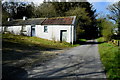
61 17
36 18
43 18
59 20
67 20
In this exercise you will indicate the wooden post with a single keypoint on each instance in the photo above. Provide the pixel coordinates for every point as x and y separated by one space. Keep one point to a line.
118 43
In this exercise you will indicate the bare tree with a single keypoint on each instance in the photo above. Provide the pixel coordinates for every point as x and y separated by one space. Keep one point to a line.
115 14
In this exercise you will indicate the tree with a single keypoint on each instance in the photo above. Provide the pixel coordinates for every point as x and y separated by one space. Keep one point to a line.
115 14
17 10
82 20
45 10
5 14
105 28
10 7
71 8
61 7
25 10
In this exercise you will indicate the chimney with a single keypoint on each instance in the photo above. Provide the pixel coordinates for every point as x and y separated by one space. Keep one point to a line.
24 18
8 19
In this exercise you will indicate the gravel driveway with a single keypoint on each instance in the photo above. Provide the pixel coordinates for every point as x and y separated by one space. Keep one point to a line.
79 62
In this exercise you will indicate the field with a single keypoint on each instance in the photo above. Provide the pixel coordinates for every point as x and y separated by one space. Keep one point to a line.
110 57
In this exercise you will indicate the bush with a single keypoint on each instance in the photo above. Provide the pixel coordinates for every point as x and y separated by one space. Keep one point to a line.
101 39
105 28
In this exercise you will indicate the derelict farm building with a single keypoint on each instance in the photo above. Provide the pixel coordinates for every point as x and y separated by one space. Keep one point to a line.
58 29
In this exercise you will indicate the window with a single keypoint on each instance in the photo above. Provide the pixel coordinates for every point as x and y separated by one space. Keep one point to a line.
45 29
5 29
23 28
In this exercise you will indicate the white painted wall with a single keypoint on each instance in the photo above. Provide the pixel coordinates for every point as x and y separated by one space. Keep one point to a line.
28 30
53 32
13 29
1 29
17 29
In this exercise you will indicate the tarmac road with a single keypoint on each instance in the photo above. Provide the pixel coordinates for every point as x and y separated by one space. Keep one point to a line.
79 62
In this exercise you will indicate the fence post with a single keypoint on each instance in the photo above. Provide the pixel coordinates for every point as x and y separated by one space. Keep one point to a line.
118 43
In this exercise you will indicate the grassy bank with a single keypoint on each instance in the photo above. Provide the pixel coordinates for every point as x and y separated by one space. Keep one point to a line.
34 42
27 51
110 57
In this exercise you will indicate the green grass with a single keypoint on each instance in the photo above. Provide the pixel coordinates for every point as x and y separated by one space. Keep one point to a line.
34 41
110 57
84 40
81 41
101 39
29 49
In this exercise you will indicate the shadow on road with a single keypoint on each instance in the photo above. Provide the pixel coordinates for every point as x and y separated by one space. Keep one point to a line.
88 42
13 73
68 72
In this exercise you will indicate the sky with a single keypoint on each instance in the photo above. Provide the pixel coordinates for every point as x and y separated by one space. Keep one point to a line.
99 5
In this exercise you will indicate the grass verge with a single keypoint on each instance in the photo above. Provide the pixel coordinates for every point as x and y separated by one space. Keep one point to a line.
26 51
110 55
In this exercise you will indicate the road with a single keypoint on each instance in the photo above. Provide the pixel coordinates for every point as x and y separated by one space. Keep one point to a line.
79 62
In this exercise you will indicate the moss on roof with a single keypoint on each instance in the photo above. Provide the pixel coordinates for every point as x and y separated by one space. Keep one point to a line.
18 22
41 21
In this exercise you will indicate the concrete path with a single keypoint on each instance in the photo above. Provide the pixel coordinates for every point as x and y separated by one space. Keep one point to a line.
79 62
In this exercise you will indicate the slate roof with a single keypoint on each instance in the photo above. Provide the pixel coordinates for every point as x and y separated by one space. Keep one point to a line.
18 22
58 21
41 21
12 23
36 21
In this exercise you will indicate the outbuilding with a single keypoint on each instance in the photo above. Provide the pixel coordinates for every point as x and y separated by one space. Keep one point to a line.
57 29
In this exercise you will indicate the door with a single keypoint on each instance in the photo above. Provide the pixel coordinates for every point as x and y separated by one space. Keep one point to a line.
63 35
32 30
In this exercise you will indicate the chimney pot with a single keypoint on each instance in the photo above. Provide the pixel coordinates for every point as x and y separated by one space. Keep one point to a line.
24 18
8 19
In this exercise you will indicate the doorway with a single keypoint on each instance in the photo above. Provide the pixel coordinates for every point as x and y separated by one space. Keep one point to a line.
63 35
33 30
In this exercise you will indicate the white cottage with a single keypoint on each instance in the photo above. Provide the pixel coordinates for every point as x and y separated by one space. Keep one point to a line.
58 28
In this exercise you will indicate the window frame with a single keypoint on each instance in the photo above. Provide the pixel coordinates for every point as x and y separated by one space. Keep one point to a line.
46 29
24 28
